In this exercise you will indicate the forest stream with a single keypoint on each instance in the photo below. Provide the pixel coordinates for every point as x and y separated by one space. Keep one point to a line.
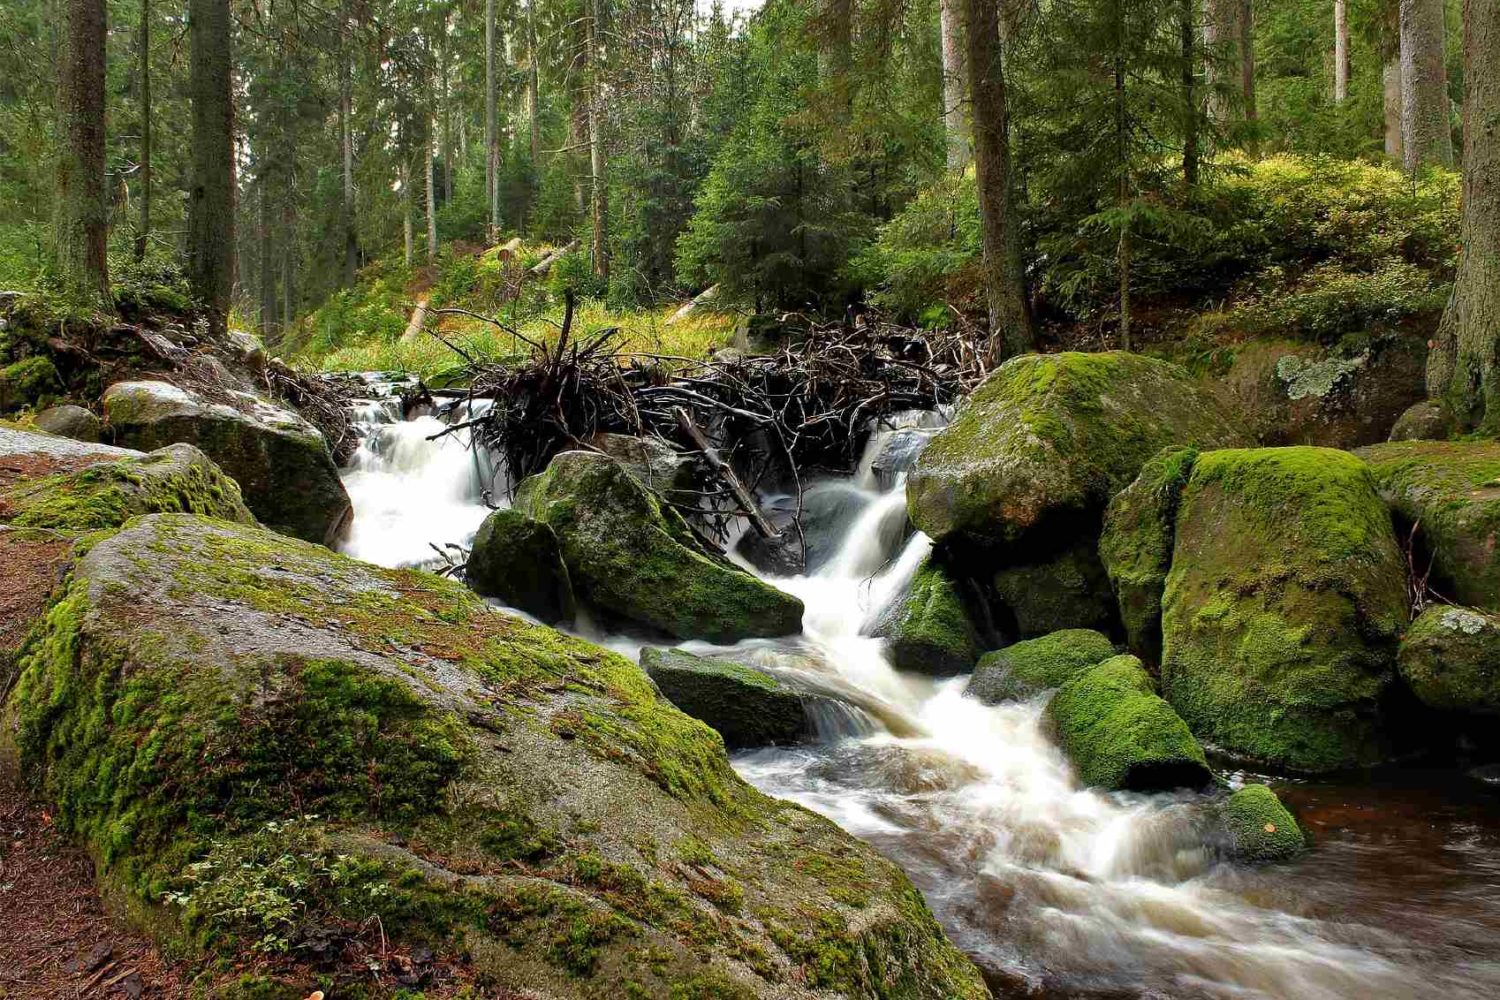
1056 890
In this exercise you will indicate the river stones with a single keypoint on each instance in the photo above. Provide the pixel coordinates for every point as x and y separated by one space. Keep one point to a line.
1450 658
649 459
1450 490
69 421
927 628
32 381
509 797
1282 607
281 461
1029 667
1048 439
1065 589
1136 545
747 707
1261 830
518 560
633 556
1120 735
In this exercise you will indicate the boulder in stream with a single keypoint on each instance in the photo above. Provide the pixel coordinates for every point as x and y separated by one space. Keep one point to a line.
1027 668
281 461
748 707
1058 590
1282 608
927 628
518 560
1261 829
1450 658
1120 735
69 421
210 704
632 555
1449 490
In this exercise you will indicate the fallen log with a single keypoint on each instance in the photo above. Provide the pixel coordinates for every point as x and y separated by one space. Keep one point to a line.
702 298
545 264
726 472
414 325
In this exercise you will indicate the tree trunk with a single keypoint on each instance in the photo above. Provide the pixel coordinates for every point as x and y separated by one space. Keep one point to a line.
408 216
1221 45
1340 51
143 233
1426 133
599 193
1190 151
82 217
533 87
955 85
267 272
428 176
211 199
1122 157
446 111
1004 284
491 121
346 139
1247 59
1464 367
1393 89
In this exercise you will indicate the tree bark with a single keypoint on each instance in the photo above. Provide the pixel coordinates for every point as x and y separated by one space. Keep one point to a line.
1464 367
955 85
143 233
267 272
1190 152
1393 90
533 87
1221 44
81 224
346 140
211 199
408 216
428 172
599 192
1340 51
491 121
1247 60
1426 133
1122 156
1004 283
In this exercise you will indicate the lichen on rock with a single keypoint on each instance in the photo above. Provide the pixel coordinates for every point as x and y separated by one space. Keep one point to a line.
1029 667
1450 658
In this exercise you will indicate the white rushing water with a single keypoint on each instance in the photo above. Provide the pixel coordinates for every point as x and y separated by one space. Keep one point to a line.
1057 890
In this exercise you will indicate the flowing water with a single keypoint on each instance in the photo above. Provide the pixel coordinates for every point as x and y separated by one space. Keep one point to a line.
1056 890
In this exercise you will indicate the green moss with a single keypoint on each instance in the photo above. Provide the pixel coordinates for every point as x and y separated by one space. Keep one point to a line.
1282 607
1120 735
1450 492
1059 590
1050 437
631 555
928 629
747 707
1260 828
1450 658
1136 545
31 381
518 560
1032 666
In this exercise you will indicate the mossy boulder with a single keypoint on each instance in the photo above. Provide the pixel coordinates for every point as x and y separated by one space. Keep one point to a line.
1120 735
1050 438
630 554
1029 667
212 708
69 421
1428 420
518 560
1059 590
281 461
746 706
1449 490
1261 830
1285 598
1450 658
32 381
1136 545
651 460
927 628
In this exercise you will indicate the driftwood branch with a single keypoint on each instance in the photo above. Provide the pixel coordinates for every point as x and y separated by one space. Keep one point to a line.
725 471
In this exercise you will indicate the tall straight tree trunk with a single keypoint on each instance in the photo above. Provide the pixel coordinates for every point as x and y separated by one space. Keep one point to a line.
428 172
599 191
211 198
1004 283
267 271
1464 368
1426 135
1187 14
491 121
955 85
1221 46
446 111
143 233
346 140
81 223
1122 156
408 214
1393 93
1340 51
533 87
1247 59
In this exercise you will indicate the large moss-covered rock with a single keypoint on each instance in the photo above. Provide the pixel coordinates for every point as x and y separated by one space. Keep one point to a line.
281 461
213 707
651 460
1450 658
927 628
1286 594
1032 666
1261 830
1120 735
746 706
1055 591
1051 438
518 560
31 381
632 555
1136 545
1451 491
